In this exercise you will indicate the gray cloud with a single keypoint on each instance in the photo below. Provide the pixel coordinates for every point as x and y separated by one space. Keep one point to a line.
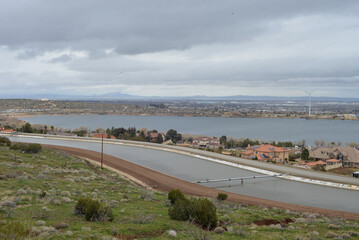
239 45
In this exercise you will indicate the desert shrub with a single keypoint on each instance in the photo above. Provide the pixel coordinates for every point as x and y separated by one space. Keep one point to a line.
204 213
15 230
222 196
93 210
5 141
174 195
181 210
80 206
27 147
201 211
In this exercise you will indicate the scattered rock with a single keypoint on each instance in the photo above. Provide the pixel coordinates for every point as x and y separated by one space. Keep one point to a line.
61 226
45 208
40 223
51 230
219 230
66 200
344 236
86 229
44 235
353 234
312 215
65 193
114 203
69 233
172 233
40 176
21 191
334 226
8 204
291 227
276 226
301 220
331 235
56 202
107 238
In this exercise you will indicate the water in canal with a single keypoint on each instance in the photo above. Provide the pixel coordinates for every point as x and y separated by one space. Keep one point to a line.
192 169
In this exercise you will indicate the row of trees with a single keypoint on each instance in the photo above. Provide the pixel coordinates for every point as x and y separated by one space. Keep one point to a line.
243 143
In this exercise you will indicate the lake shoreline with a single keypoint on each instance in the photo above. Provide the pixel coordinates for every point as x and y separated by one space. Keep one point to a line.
28 115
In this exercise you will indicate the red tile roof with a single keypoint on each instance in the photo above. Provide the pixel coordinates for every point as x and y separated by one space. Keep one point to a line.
7 130
320 162
99 135
266 148
333 160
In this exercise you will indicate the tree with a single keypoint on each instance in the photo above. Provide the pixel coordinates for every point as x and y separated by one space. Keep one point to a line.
160 138
27 128
173 135
223 140
305 154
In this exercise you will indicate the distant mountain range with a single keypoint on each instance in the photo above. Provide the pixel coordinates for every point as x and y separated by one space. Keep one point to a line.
120 96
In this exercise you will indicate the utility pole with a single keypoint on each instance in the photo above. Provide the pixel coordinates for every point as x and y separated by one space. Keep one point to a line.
310 102
102 152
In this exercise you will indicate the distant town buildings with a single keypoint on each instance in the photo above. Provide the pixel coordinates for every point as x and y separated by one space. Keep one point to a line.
266 152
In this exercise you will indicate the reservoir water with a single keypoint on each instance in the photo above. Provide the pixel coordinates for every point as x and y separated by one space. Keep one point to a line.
191 169
267 129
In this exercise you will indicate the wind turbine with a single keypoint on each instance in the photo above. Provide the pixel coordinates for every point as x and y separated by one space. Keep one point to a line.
310 101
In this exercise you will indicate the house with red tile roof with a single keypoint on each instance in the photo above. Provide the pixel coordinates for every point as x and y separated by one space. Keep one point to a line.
99 135
267 152
333 163
6 130
328 164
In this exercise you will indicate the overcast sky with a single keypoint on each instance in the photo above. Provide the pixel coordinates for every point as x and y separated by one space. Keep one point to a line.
180 48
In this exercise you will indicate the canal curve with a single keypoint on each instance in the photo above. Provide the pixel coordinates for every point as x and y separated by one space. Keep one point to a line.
192 169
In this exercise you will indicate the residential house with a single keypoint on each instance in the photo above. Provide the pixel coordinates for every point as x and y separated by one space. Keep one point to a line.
206 142
105 135
328 164
348 156
266 152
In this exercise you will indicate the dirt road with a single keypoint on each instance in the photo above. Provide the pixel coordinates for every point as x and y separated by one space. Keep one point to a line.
163 182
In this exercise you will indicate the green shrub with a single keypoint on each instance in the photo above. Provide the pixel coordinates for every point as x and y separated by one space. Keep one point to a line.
222 196
15 230
181 210
201 211
5 141
93 210
27 147
205 213
174 195
80 206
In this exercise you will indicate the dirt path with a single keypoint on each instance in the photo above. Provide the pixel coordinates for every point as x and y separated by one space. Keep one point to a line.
163 182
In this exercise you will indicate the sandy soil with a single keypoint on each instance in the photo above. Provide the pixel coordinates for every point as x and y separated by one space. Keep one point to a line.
162 182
